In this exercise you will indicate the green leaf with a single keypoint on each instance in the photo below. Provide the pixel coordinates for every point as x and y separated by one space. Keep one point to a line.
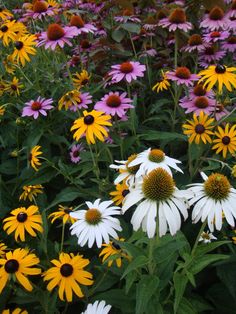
118 35
158 135
180 282
131 27
146 288
67 195
185 307
202 262
208 247
136 263
129 280
130 248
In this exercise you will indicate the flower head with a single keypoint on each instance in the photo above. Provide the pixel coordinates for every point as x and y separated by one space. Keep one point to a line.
96 223
23 220
18 264
182 75
162 84
114 103
63 213
207 237
3 249
198 104
98 307
128 71
77 22
31 191
33 157
157 196
176 20
35 107
13 87
226 140
71 98
213 199
92 124
68 274
199 129
15 311
75 153
215 20
220 75
39 10
120 193
81 79
23 48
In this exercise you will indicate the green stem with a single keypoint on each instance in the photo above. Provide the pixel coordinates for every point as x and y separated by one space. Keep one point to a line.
150 255
132 43
198 237
96 169
62 237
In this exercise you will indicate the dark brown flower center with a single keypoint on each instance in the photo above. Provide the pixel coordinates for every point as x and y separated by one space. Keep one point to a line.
126 67
85 44
216 14
4 28
40 7
19 45
219 107
233 7
183 73
11 266
89 119
21 217
76 153
13 87
66 270
113 101
231 40
215 34
226 140
84 82
199 128
116 246
199 90
201 102
55 32
125 192
162 14
195 40
127 12
77 21
220 69
210 51
177 16
36 105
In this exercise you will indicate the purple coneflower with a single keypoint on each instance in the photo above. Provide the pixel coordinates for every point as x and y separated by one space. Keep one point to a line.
114 104
35 107
39 10
232 11
198 104
81 26
56 35
85 99
75 153
182 75
220 111
127 70
210 54
198 90
215 36
195 43
215 20
176 20
230 44
127 16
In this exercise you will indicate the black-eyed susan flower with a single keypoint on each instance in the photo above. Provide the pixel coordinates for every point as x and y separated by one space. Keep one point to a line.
96 224
8 32
213 199
162 84
226 140
2 110
24 46
199 129
81 79
68 274
71 98
119 194
15 311
63 213
92 125
157 196
31 191
13 87
33 157
220 75
23 220
3 249
5 14
17 265
9 64
113 249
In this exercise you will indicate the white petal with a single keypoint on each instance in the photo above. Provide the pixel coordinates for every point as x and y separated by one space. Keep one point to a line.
162 221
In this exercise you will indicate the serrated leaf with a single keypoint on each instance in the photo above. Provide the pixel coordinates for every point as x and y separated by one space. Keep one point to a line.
137 263
146 288
180 282
202 262
208 247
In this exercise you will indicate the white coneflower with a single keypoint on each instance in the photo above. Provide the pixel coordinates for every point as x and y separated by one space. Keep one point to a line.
96 223
212 199
98 307
151 159
161 199
206 237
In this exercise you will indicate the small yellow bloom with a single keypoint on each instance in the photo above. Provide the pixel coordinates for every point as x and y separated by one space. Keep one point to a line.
199 129
30 191
233 172
121 191
162 84
226 140
2 110
5 14
63 213
13 87
3 249
23 48
71 98
81 79
15 311
33 158
23 219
